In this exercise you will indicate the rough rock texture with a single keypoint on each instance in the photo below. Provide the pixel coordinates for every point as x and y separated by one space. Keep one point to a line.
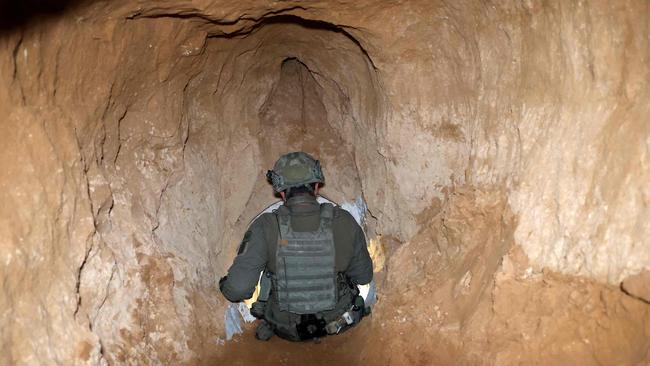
478 292
461 293
502 149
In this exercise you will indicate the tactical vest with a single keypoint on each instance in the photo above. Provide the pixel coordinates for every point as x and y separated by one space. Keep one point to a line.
305 278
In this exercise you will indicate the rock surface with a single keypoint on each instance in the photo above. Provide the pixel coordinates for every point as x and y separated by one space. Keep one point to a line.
638 286
502 149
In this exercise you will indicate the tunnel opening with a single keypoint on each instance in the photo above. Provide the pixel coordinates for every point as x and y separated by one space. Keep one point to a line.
137 137
294 117
309 107
199 163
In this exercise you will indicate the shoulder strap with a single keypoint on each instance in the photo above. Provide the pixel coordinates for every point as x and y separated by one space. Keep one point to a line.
326 216
284 221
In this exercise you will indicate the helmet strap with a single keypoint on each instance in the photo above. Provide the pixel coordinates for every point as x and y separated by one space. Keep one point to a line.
312 190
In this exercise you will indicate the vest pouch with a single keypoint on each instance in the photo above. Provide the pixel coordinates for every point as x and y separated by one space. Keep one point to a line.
359 306
310 327
258 308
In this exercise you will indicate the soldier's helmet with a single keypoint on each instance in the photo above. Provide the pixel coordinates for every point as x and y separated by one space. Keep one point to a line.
295 169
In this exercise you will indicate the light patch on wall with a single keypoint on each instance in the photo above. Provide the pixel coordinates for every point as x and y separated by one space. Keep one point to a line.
377 253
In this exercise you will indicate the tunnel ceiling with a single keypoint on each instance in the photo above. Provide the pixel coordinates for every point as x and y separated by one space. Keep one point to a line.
501 150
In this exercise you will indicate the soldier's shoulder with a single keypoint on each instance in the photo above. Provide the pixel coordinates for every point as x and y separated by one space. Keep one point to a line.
343 215
262 220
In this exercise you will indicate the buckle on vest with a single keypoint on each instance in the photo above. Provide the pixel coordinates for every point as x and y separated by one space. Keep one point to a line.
348 318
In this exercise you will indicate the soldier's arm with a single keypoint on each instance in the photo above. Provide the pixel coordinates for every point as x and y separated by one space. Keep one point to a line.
360 269
250 261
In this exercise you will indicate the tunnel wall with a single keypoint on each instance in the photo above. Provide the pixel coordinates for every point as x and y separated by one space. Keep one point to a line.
529 98
134 148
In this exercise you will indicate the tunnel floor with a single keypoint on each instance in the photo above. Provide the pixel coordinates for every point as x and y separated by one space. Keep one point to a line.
244 349
362 345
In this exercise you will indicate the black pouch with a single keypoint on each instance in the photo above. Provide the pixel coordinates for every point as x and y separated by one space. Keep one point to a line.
311 327
258 308
360 306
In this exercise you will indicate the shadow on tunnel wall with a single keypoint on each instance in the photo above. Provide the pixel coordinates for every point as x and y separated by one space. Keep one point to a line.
303 22
18 13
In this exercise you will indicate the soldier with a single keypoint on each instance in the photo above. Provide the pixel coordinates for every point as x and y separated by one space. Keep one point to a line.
312 257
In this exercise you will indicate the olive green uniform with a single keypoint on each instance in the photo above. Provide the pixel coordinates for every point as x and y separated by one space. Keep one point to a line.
257 253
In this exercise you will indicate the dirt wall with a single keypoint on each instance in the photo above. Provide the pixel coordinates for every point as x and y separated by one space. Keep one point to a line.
136 137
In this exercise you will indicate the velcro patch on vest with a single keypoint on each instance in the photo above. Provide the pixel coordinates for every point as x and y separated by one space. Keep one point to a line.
244 243
283 242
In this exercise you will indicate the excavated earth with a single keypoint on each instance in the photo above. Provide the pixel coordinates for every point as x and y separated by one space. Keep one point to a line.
502 150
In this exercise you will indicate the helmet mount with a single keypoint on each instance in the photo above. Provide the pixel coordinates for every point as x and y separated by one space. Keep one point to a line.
295 169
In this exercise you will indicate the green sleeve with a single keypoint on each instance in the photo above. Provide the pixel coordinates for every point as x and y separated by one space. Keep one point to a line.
251 259
360 268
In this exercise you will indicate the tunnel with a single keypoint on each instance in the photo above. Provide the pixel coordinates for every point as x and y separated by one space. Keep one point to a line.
496 154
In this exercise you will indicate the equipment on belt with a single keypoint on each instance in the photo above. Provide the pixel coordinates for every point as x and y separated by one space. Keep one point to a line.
357 311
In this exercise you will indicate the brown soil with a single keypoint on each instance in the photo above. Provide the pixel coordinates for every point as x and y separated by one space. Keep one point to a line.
502 148
504 312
